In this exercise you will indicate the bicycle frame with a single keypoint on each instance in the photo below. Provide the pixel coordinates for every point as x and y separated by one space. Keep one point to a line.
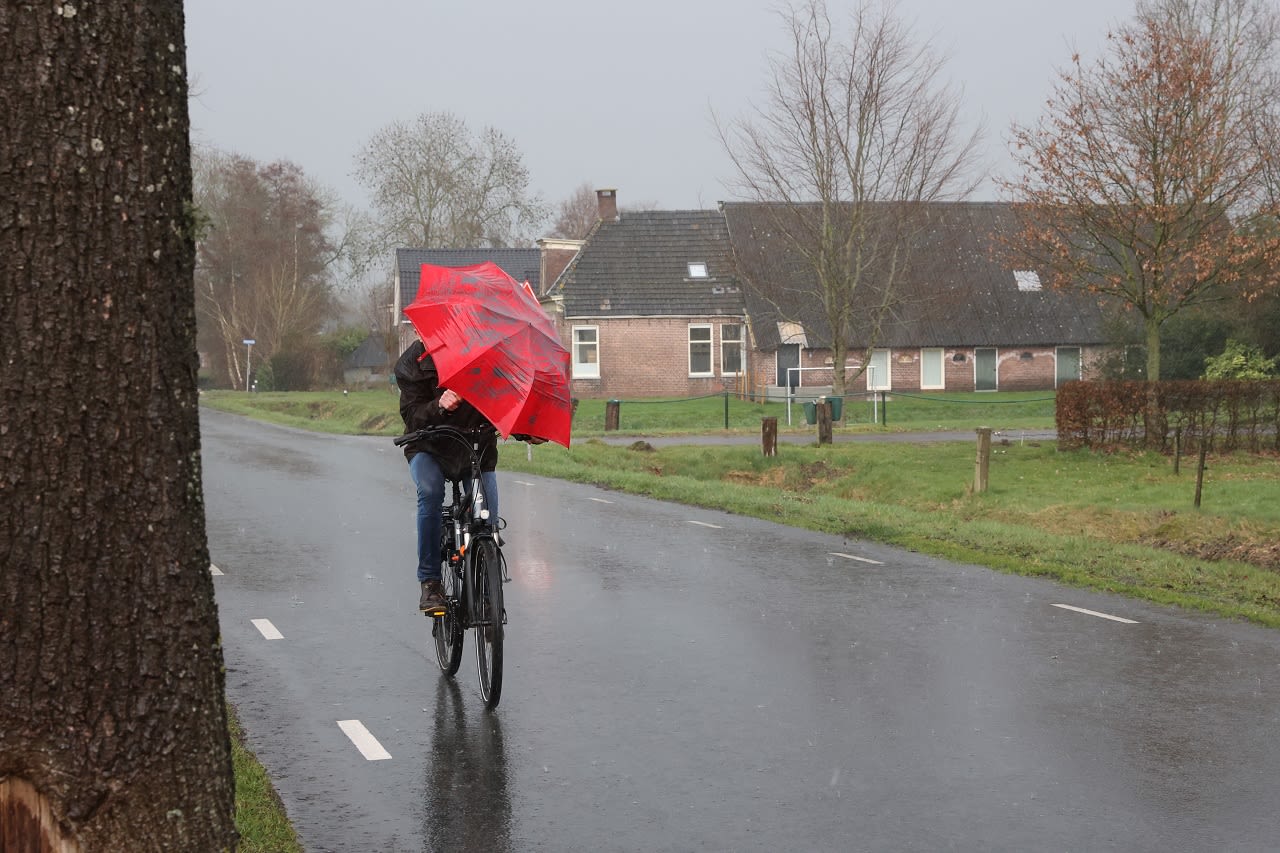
466 524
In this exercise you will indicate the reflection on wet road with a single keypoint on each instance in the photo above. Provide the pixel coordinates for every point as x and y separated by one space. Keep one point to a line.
742 686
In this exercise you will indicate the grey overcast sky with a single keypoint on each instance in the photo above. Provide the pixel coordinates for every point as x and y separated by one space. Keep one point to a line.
614 94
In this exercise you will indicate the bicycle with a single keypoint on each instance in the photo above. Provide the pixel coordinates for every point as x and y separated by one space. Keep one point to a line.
472 573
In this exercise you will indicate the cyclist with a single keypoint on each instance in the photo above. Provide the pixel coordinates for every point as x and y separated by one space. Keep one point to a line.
433 460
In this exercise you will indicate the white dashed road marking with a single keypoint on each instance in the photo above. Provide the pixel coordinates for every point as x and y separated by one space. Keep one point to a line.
601 501
365 742
705 524
1096 613
523 483
215 571
267 630
855 557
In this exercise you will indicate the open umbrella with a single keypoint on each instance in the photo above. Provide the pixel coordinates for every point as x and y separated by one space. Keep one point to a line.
495 347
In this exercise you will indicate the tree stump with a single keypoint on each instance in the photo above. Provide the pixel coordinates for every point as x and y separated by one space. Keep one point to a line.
769 436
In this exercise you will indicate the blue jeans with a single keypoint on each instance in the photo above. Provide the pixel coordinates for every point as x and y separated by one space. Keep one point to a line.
429 481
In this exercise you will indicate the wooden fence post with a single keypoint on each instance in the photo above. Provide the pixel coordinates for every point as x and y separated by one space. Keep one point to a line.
824 422
611 415
1204 446
769 436
983 463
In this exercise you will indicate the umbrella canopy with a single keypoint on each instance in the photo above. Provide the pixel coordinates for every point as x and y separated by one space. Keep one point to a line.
494 346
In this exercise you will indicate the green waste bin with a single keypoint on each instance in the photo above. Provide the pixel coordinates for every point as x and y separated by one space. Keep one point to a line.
837 407
810 412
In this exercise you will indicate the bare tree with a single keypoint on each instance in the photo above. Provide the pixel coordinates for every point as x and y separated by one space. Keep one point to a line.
858 131
1147 180
264 259
576 214
113 727
437 185
377 314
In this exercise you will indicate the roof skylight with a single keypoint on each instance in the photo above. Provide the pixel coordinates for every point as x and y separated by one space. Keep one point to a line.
1028 280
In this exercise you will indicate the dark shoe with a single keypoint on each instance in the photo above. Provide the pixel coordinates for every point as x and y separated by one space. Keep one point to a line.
432 601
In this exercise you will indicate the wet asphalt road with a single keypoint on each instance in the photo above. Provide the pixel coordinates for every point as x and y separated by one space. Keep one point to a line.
680 679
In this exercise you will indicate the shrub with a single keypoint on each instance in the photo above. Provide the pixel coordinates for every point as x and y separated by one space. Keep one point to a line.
1240 361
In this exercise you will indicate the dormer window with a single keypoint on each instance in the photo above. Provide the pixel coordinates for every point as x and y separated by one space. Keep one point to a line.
1028 280
697 269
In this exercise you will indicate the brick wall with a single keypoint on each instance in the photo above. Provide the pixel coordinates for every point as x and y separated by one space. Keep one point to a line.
1017 368
649 357
1025 369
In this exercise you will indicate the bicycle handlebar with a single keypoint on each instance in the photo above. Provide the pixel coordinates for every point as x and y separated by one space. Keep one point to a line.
445 430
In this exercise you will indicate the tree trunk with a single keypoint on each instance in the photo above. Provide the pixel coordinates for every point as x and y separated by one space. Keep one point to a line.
112 720
1154 426
1151 329
839 376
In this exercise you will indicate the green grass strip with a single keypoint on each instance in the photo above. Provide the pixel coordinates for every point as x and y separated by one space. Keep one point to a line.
260 816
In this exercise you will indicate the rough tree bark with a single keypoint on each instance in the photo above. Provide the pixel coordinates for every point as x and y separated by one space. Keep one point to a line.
112 720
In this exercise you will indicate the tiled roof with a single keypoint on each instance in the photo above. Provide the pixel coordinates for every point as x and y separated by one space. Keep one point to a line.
520 264
639 266
955 292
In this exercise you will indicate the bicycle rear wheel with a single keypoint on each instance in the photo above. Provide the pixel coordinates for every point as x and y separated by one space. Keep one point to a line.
488 575
446 630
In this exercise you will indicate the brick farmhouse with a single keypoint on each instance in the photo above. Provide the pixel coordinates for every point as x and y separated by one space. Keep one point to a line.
681 303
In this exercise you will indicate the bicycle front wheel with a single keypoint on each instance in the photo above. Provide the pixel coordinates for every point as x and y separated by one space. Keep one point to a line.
488 575
446 630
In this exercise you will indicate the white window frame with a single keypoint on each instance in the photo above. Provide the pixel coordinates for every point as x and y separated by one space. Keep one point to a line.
709 343
941 355
585 369
885 382
698 269
739 342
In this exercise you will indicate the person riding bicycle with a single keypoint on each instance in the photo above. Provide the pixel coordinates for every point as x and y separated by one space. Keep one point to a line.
433 460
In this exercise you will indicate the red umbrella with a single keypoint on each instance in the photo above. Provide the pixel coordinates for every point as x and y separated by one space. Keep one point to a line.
495 347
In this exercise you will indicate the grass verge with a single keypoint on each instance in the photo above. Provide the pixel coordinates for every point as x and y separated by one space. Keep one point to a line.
260 817
375 412
1115 523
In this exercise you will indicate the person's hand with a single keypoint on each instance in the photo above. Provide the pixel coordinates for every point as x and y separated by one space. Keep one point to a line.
531 439
449 401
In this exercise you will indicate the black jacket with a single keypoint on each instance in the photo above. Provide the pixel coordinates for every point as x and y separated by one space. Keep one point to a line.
420 392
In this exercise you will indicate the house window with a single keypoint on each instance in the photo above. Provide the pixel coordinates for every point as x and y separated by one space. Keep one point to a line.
878 371
586 352
697 269
932 374
731 349
700 351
